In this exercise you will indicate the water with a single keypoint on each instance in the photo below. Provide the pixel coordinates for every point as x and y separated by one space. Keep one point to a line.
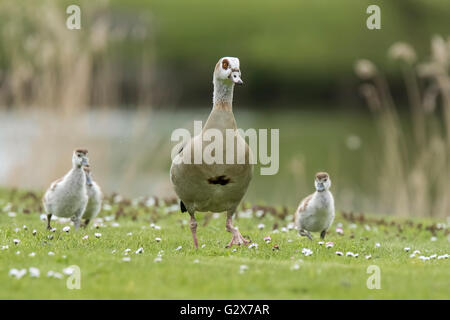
130 151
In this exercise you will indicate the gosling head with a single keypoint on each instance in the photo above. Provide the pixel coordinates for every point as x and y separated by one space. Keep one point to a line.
87 171
80 158
228 71
322 181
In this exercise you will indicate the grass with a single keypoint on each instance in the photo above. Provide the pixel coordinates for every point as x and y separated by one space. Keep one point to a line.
216 274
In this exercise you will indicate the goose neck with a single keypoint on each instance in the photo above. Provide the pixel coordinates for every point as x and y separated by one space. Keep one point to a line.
223 95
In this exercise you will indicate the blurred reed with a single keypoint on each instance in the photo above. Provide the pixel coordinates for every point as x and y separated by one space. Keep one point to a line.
48 66
414 177
66 73
55 77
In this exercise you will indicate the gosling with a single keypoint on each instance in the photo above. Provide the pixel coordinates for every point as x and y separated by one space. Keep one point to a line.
316 212
67 197
95 197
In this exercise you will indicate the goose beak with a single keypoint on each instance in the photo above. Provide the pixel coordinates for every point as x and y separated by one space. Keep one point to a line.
88 180
235 76
84 162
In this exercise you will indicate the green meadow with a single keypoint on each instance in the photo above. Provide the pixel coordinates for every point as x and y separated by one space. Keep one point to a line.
172 269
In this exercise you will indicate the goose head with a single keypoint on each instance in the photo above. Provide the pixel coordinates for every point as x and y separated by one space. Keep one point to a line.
322 181
87 171
228 71
80 158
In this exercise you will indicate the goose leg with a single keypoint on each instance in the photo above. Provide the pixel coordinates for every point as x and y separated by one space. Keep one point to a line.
86 222
193 225
49 218
76 222
322 234
77 219
305 233
237 237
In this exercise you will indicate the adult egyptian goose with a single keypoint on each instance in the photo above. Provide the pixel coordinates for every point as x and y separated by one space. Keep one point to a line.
217 187
67 196
95 197
316 212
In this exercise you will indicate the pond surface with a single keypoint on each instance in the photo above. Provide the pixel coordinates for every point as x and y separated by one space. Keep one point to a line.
130 151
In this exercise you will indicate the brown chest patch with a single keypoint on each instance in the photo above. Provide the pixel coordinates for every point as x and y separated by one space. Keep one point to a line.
222 180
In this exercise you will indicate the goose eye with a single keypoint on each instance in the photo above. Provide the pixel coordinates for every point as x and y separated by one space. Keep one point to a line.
225 64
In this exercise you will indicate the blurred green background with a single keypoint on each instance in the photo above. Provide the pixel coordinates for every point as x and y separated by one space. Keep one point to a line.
292 52
137 70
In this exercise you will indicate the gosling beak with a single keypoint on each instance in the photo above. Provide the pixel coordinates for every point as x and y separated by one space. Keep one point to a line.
84 162
235 76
